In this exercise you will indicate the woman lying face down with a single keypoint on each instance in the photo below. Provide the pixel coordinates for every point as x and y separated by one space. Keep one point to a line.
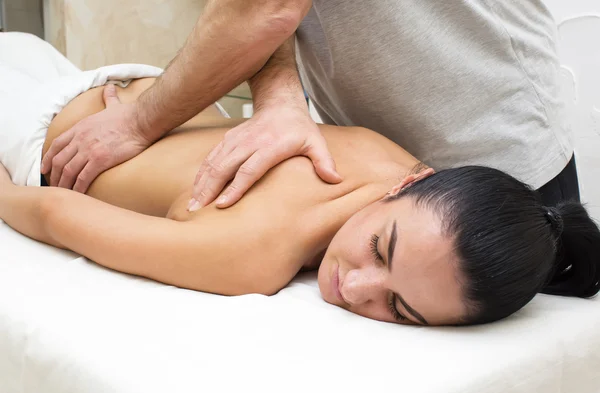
464 246
394 241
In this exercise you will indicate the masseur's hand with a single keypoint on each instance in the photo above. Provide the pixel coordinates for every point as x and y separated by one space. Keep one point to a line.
95 144
249 150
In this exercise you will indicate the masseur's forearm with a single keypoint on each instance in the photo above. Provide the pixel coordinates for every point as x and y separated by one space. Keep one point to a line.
230 43
278 82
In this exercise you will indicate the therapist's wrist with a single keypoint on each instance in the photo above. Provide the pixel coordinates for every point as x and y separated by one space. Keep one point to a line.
285 103
279 94
277 87
142 125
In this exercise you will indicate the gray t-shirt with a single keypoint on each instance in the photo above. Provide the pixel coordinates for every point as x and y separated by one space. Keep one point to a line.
454 82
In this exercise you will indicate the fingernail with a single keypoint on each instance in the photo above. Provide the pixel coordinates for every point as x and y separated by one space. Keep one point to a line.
222 200
190 203
195 207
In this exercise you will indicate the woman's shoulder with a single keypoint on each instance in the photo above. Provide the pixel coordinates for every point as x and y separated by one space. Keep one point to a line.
365 151
361 138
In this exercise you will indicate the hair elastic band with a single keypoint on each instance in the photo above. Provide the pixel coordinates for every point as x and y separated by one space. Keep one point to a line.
555 219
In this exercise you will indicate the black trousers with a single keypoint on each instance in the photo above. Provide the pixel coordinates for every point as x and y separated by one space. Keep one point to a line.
564 187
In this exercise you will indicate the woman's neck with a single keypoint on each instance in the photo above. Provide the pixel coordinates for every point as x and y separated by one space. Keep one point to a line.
324 221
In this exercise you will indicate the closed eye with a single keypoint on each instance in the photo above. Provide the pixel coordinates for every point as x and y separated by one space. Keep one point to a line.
392 307
374 250
391 302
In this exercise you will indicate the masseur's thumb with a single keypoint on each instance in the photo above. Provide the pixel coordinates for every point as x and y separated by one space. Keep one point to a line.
323 162
110 95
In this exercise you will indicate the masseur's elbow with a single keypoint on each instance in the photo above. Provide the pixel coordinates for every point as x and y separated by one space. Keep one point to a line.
284 16
260 19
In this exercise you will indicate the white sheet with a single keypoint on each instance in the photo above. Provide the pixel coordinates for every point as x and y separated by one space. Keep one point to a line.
68 325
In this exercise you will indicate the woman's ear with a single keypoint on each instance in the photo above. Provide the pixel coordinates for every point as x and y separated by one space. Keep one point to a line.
410 180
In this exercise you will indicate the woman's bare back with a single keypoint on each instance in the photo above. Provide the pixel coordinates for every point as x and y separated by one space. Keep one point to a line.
159 181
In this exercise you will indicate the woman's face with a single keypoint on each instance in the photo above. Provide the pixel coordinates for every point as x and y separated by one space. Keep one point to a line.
391 262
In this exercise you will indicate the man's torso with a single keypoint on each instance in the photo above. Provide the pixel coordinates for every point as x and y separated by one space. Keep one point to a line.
455 83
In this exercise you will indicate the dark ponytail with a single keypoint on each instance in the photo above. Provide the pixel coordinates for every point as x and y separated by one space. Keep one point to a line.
510 247
577 265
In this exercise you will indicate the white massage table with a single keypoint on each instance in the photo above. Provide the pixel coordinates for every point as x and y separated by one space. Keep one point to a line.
68 325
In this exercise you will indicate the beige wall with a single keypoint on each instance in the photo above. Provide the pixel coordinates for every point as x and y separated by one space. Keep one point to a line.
94 33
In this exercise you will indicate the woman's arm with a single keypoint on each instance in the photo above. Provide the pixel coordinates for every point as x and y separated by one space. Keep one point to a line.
223 257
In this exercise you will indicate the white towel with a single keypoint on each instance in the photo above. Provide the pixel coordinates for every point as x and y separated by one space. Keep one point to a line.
36 82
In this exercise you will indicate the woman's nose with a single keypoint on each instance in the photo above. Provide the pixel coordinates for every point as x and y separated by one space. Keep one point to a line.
362 285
